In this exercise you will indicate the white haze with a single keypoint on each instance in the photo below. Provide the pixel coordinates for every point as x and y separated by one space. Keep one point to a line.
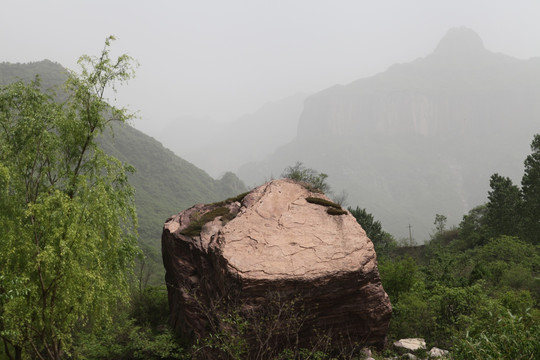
222 59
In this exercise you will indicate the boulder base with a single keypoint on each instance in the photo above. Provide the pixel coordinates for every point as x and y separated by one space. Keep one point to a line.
298 267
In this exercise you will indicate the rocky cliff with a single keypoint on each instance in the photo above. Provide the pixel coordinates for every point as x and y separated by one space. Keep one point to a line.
459 90
421 138
279 243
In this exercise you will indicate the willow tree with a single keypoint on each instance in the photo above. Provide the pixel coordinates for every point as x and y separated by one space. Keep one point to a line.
67 219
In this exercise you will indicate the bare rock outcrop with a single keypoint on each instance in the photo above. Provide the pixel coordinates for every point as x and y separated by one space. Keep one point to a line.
280 243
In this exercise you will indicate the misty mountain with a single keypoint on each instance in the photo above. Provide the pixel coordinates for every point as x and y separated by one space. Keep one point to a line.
164 183
218 147
421 138
50 74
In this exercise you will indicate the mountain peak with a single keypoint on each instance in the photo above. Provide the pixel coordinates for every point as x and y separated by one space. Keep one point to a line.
460 42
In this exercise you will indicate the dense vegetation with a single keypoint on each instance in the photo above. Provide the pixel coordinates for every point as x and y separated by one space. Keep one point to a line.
474 289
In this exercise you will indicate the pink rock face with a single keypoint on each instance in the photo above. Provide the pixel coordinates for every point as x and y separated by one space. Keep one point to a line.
274 241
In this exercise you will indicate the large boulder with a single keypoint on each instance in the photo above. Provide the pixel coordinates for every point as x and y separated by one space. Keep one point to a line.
280 249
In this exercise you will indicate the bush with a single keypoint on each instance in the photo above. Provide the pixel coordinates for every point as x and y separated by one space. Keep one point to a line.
195 227
313 180
126 340
509 337
398 276
412 315
150 307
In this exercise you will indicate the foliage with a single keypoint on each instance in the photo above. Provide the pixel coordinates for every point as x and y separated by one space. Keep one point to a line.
195 227
383 242
473 229
440 223
125 339
475 288
314 180
445 268
508 337
254 332
398 276
67 215
503 207
460 292
530 187
226 341
137 332
231 200
412 315
150 307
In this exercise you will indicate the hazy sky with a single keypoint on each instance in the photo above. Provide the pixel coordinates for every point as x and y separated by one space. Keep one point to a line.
223 58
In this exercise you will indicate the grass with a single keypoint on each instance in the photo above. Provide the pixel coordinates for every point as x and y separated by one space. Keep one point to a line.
323 202
230 200
333 208
195 227
334 211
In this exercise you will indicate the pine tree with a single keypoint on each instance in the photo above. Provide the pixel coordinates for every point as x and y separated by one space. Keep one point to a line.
530 187
503 207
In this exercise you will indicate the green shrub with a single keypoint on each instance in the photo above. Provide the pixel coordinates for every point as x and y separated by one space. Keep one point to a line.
517 301
398 276
412 315
231 200
150 307
126 340
509 337
311 179
195 227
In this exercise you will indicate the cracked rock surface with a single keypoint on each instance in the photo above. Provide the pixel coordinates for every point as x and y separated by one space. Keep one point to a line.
274 241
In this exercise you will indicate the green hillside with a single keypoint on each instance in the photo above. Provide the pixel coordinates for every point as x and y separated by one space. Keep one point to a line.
164 183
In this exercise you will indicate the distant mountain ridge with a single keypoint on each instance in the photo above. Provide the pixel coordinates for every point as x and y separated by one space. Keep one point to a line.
420 138
451 92
218 147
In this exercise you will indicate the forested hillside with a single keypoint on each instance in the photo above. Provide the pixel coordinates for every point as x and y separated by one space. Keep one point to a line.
164 183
